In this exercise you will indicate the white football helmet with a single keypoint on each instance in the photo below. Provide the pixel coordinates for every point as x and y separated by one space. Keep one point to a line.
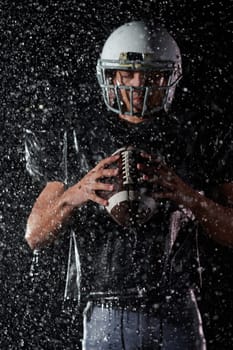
137 46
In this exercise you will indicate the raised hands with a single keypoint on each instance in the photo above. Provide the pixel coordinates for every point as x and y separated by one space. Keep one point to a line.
89 187
55 204
167 184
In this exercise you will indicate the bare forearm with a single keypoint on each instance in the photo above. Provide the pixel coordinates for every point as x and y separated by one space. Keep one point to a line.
216 220
45 226
49 214
55 205
215 216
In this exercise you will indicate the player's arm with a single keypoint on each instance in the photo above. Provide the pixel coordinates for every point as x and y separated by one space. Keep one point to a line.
215 216
56 205
47 216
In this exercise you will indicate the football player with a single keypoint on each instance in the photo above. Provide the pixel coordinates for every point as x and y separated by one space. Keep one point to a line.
136 284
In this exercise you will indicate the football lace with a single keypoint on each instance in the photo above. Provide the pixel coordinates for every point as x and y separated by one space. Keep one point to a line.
128 167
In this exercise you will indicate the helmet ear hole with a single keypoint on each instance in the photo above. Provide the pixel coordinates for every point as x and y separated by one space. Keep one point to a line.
138 46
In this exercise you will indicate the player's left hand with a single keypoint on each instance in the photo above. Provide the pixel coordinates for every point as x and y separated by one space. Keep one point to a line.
170 185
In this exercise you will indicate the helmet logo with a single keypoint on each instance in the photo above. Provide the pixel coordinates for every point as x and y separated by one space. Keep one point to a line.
134 60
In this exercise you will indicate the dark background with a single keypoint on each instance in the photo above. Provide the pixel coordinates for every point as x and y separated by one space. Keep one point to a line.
48 53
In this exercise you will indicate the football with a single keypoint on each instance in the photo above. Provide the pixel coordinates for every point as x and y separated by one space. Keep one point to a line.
131 202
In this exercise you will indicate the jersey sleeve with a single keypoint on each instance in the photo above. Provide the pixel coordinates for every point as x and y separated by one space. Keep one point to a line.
44 156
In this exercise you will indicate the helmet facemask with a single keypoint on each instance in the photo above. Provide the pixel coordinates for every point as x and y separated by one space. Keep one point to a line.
155 93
